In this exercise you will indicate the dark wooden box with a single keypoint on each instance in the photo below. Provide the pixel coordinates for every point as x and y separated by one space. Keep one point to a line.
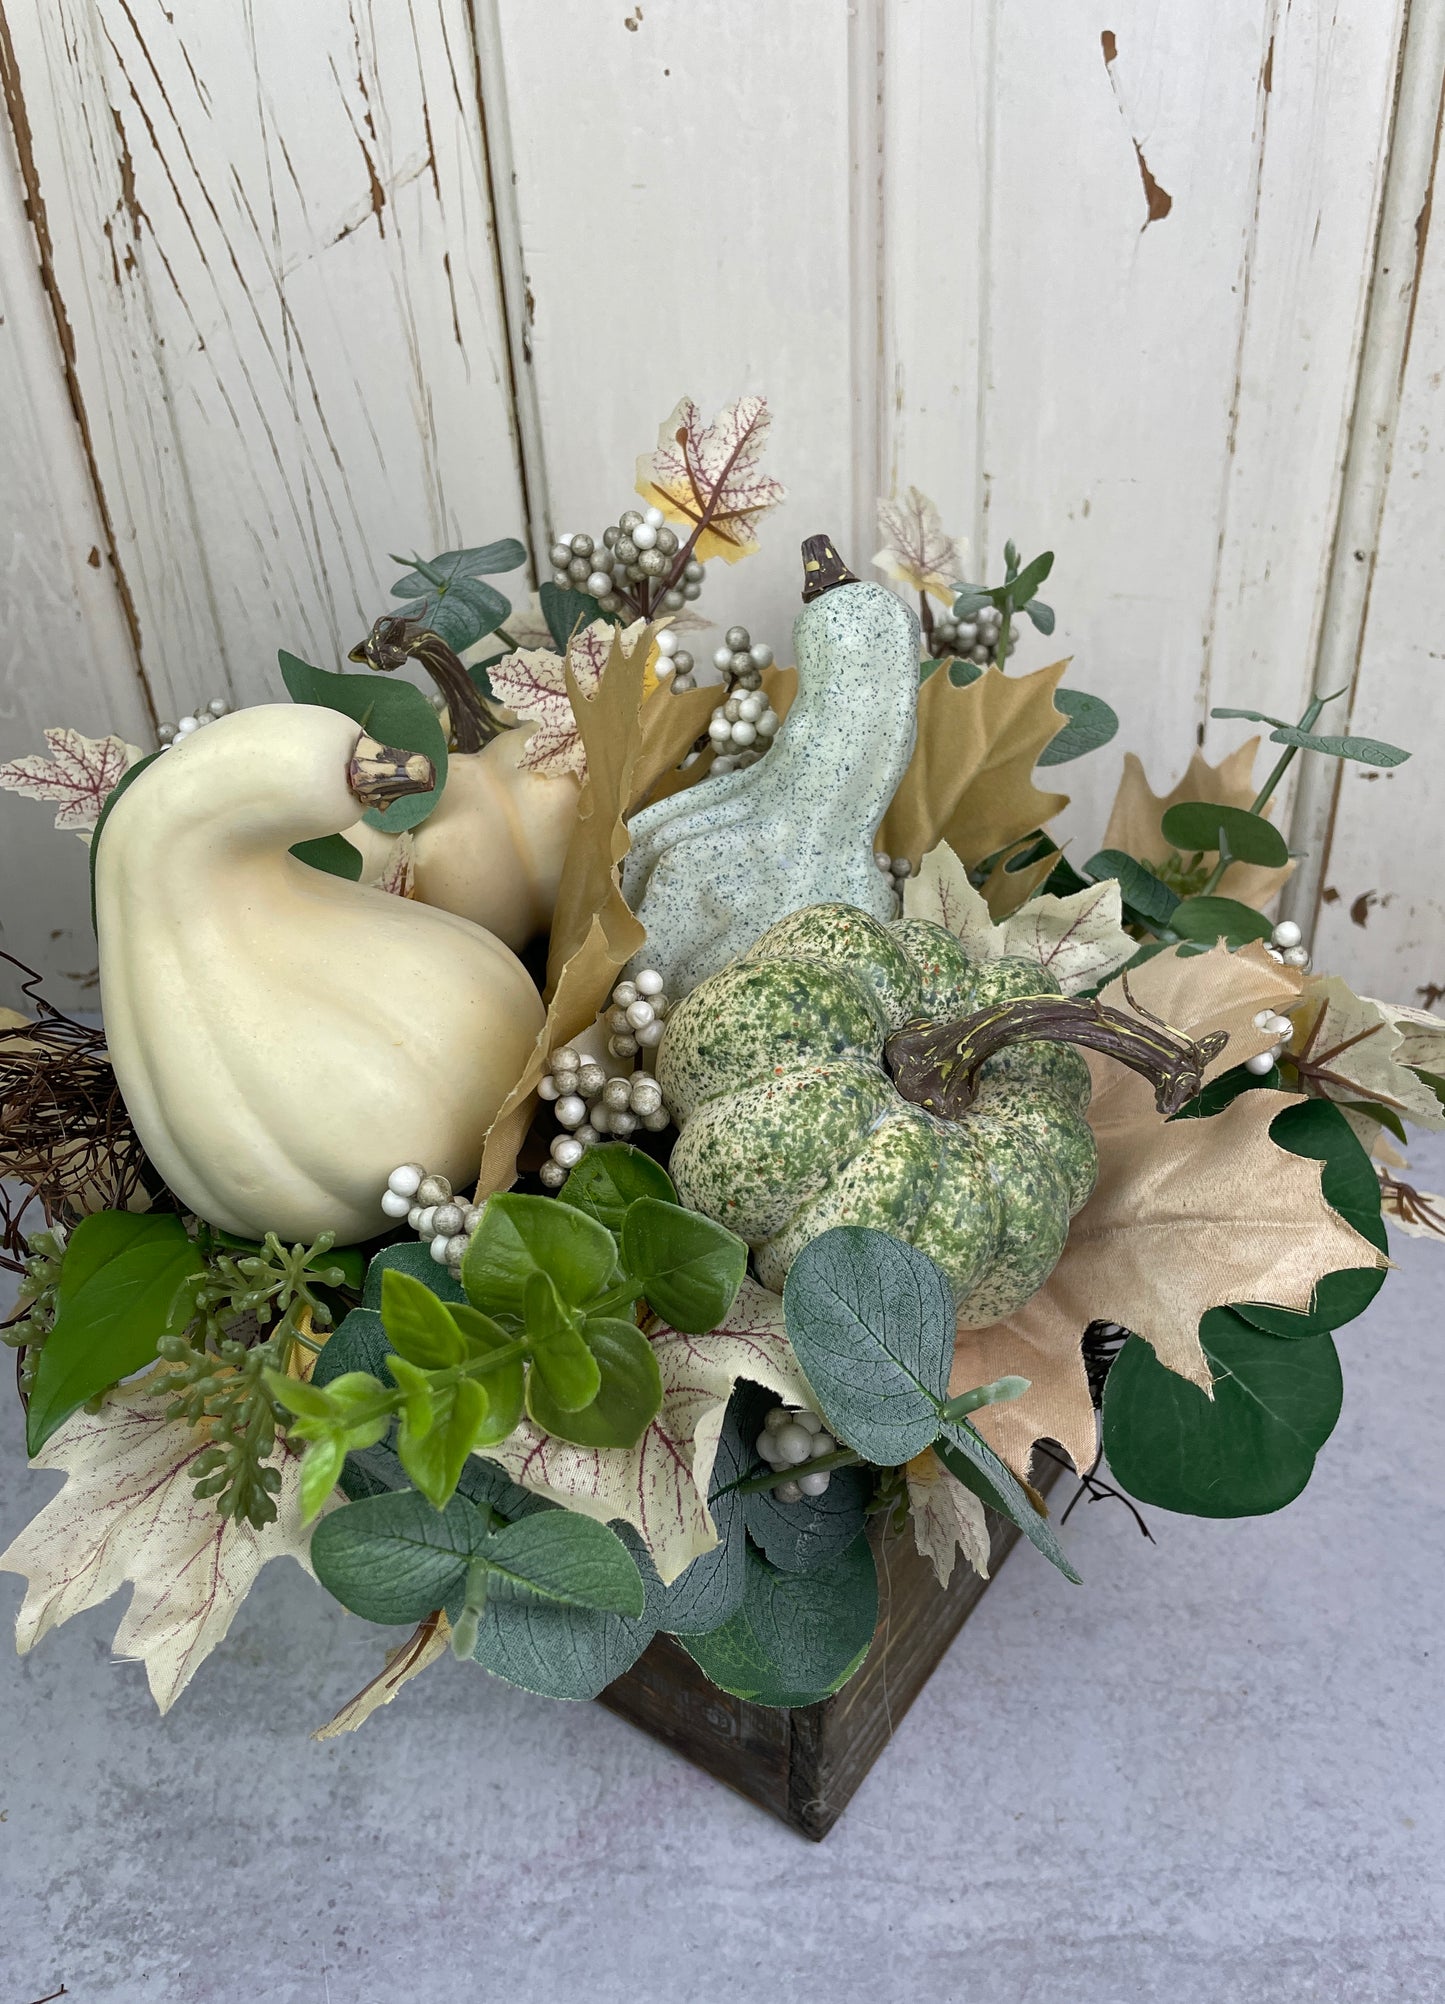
805 1765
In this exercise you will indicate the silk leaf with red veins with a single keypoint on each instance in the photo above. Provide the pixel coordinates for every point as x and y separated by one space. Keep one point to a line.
78 772
917 551
533 683
708 478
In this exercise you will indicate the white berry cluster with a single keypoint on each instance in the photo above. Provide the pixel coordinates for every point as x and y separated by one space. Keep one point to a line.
186 727
896 868
1286 944
673 659
592 1106
789 1439
635 1018
639 548
745 723
972 639
440 1220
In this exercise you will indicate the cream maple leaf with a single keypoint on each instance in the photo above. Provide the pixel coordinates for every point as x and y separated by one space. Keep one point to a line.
398 873
660 1486
1350 1047
707 478
129 1512
426 1644
1079 939
1186 1216
79 772
947 1518
917 550
533 683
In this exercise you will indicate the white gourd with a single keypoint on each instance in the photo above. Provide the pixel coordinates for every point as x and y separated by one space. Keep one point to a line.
283 1037
493 847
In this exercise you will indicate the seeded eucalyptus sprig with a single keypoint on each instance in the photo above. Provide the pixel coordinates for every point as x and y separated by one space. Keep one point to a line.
221 1380
36 1295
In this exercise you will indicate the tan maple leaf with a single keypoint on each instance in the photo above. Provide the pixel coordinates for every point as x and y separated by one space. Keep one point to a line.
708 478
917 550
1186 1216
533 684
1135 817
129 1512
947 1518
660 1486
1350 1047
1079 939
78 772
425 1646
969 782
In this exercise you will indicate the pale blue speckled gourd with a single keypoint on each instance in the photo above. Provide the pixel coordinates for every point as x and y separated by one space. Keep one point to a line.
711 869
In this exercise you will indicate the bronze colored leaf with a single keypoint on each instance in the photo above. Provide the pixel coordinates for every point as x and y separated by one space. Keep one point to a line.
970 779
1186 1216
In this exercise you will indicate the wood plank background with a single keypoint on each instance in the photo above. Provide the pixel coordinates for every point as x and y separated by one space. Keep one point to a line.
284 288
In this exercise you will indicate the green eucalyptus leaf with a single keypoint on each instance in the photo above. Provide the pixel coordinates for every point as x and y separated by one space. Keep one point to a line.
1249 838
486 560
557 1648
357 1344
711 1588
393 1558
520 1236
965 1453
689 1267
797 1637
1249 1449
796 1537
1091 721
628 1398
124 1283
562 1556
1206 920
961 672
394 712
331 853
1043 618
1255 717
1022 587
1139 888
1365 751
609 1179
567 612
871 1322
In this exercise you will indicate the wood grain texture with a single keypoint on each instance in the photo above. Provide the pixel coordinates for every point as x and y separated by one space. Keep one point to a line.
806 1765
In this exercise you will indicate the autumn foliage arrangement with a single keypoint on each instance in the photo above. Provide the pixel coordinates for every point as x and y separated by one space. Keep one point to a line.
706 1273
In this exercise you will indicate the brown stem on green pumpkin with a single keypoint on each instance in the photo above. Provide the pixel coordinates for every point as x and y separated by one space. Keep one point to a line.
937 1064
393 641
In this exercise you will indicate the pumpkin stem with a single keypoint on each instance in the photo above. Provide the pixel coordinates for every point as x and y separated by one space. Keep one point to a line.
392 641
937 1064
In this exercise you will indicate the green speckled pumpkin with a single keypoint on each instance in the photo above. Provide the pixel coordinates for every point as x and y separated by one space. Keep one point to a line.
790 1123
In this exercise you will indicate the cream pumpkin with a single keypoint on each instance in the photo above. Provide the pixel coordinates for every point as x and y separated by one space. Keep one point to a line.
282 1037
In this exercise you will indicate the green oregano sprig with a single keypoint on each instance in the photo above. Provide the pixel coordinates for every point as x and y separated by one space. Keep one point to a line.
550 1326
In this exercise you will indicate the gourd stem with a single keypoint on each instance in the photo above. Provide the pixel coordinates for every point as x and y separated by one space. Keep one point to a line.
937 1064
393 640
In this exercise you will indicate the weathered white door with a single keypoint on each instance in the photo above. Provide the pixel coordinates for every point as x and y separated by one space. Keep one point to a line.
287 288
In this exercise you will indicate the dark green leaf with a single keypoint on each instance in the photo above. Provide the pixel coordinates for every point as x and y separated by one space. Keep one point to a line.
394 712
126 779
966 1454
1063 880
567 612
1140 889
627 1400
689 1267
520 1236
871 1322
1202 825
1091 723
797 1637
1318 1130
559 1650
359 1344
1371 1109
1210 919
562 1556
1249 1450
610 1178
392 1558
409 1256
1366 751
796 1537
331 853
122 1287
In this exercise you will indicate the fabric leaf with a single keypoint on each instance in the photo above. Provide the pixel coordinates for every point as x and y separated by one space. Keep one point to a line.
712 473
76 771
533 683
421 1649
1355 1048
1136 816
947 1517
129 1512
1186 1216
660 1486
916 549
1078 939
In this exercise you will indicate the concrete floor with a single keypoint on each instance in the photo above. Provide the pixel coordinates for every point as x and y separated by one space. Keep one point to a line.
1211 1776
